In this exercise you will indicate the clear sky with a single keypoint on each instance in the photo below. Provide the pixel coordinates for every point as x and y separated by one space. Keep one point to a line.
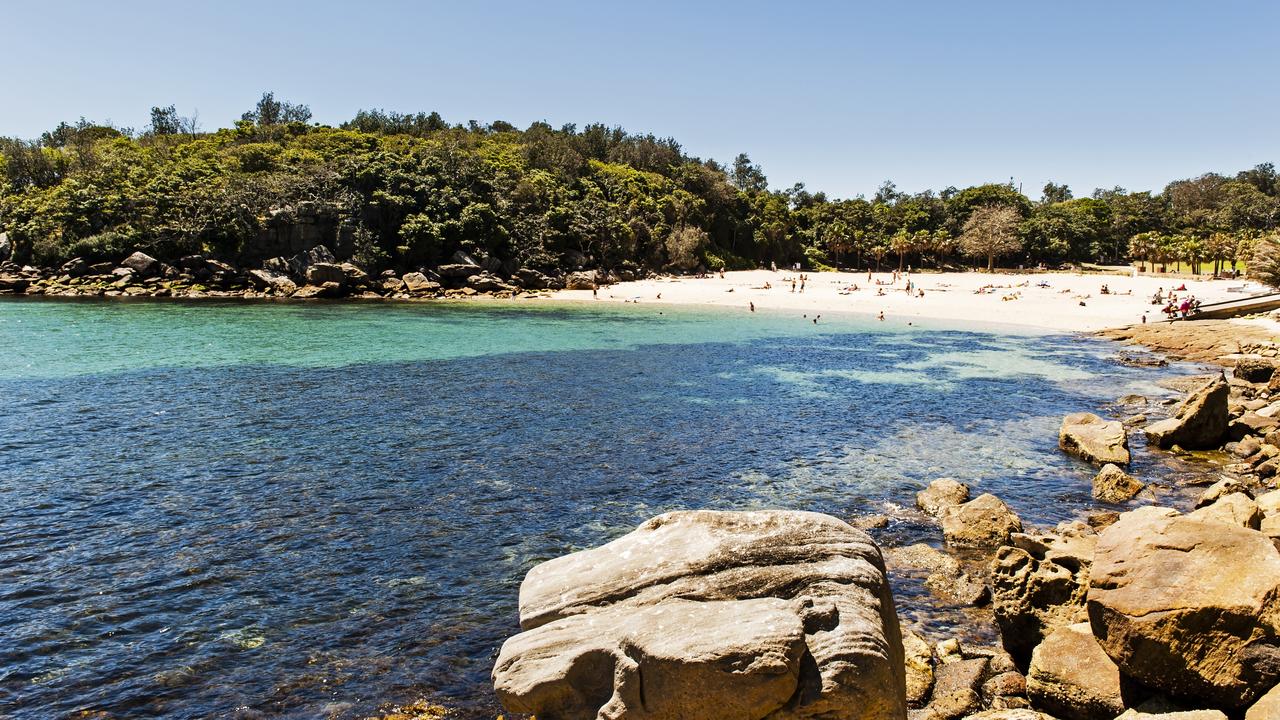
840 96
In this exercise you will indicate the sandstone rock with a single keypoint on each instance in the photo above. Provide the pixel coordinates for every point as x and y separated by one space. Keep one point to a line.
1093 439
710 615
1254 369
1267 707
328 290
1247 446
918 660
1200 421
942 494
1188 607
580 280
956 689
1235 509
532 279
946 579
1251 423
6 246
1000 689
984 521
75 267
1219 490
458 271
1072 678
142 264
266 279
1114 485
418 284
1269 503
353 275
1038 585
1017 714
298 264
323 272
486 282
1188 715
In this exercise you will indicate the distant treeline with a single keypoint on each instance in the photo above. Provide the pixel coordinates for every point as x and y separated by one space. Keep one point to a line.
408 191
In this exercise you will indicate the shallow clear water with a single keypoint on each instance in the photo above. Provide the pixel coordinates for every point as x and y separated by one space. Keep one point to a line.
282 510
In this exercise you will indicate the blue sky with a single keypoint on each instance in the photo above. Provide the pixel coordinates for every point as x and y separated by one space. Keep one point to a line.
840 96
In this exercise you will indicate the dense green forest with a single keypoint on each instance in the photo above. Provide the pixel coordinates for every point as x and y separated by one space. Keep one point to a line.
388 190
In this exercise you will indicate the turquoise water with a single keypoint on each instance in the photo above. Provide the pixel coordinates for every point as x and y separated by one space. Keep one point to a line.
302 510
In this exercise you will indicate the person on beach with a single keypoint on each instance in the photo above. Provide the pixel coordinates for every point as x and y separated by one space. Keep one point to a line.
793 284
595 292
802 279
880 316
753 306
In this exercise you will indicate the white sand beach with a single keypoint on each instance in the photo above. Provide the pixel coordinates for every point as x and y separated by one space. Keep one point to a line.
1052 301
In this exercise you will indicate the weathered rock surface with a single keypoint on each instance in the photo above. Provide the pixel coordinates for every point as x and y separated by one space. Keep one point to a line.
956 689
918 661
142 264
1093 439
458 271
1267 707
946 580
323 272
710 615
580 280
1015 714
1236 509
1184 715
1254 369
1072 678
984 521
941 494
1188 607
1200 421
1114 485
1038 585
418 284
268 280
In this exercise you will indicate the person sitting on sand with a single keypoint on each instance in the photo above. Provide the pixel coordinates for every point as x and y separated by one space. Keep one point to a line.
1181 288
880 316
880 292
920 293
1105 290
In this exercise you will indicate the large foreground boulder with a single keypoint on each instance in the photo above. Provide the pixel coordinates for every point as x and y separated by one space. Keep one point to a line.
1199 421
1093 439
1188 606
715 615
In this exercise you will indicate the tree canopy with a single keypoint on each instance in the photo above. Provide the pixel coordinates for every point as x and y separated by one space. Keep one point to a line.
408 190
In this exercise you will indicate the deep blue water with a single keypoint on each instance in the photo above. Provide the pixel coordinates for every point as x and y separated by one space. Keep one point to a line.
307 511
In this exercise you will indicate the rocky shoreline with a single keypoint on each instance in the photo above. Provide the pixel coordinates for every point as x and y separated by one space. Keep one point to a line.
315 273
1143 610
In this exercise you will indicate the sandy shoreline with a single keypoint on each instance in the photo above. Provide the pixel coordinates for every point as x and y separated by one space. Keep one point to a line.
1017 299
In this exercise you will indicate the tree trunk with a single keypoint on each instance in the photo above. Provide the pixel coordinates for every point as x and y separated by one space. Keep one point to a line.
991 263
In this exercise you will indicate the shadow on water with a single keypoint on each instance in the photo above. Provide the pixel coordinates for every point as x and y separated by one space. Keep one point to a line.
318 538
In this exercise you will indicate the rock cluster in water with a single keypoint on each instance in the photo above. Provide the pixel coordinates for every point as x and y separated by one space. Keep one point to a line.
1148 613
311 274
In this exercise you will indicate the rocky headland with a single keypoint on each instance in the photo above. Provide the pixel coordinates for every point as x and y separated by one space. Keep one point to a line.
310 274
1162 603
